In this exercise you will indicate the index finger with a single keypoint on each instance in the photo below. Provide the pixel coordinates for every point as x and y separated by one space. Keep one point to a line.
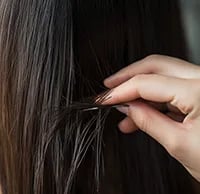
151 87
158 64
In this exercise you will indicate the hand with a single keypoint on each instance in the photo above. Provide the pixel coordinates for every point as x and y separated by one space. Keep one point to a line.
159 83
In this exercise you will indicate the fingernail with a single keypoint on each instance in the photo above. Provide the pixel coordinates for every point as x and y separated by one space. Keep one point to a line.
103 96
123 109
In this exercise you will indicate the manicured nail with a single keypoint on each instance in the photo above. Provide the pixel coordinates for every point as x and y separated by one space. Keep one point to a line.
103 97
123 109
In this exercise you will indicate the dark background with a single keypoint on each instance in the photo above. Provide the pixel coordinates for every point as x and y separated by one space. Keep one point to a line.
191 19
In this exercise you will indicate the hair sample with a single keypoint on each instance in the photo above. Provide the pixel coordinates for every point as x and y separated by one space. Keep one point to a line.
54 55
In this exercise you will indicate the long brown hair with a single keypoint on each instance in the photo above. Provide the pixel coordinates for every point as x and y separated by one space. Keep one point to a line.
54 54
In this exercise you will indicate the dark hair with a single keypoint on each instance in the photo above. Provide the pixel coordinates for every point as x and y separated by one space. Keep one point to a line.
54 54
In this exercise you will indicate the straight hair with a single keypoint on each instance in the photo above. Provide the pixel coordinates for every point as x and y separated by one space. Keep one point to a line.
54 55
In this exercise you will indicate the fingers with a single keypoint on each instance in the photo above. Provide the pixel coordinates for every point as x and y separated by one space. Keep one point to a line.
154 123
157 64
126 73
127 125
149 87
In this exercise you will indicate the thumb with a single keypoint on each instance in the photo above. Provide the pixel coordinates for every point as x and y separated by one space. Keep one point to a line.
156 124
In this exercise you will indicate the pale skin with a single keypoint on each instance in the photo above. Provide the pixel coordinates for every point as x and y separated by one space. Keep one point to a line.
163 94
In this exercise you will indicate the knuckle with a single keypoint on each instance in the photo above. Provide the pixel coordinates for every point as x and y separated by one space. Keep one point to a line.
184 107
138 80
173 146
176 146
139 77
189 101
143 78
152 58
152 62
